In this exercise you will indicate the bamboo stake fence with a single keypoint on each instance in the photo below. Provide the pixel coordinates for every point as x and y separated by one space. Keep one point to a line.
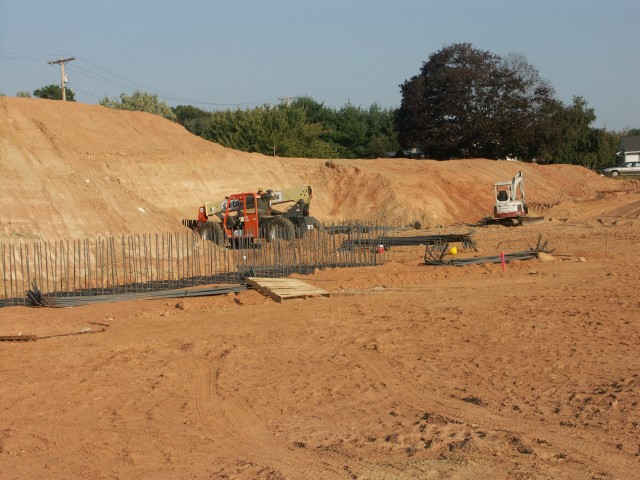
142 263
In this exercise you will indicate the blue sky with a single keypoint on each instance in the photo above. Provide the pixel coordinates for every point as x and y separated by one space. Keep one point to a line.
218 54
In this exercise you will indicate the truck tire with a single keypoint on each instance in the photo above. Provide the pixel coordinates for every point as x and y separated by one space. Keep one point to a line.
213 232
318 226
281 229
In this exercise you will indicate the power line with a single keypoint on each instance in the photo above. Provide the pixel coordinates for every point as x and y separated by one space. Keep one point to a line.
167 95
87 73
33 57
73 88
120 81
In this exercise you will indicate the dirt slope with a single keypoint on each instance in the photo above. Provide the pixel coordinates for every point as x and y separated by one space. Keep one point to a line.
73 171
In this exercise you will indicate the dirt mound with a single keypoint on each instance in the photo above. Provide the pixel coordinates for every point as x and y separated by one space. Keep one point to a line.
73 170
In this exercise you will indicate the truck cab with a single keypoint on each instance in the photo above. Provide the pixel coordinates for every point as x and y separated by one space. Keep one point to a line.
241 218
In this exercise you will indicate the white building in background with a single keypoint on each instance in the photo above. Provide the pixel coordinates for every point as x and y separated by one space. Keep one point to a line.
628 150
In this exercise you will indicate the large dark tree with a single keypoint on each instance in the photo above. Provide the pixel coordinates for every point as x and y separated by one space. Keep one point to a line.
468 103
54 92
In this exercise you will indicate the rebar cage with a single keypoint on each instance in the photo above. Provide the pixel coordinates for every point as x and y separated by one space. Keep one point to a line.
135 264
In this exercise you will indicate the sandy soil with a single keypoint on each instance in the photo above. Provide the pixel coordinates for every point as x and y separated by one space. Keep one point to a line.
407 371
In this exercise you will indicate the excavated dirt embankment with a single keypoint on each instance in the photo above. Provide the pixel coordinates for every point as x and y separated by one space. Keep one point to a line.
72 170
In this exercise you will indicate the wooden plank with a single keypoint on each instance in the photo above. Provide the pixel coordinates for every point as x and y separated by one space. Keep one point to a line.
285 288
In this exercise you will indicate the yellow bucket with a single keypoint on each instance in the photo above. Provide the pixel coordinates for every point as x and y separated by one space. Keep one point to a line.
453 250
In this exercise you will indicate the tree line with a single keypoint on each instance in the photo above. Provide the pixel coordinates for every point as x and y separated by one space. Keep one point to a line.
304 128
463 103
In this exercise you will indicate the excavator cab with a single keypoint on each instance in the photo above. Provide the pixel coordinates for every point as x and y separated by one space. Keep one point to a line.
503 195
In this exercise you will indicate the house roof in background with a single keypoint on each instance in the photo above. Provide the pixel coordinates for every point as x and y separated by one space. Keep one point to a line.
629 144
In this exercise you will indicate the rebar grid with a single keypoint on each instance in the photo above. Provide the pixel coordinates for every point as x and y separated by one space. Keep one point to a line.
143 263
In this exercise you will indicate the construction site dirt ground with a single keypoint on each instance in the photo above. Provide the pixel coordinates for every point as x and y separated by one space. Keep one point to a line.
406 371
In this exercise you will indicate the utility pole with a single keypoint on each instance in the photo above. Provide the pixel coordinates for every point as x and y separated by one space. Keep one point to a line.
287 100
63 78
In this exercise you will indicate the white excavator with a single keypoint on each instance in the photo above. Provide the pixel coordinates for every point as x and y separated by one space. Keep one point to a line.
511 204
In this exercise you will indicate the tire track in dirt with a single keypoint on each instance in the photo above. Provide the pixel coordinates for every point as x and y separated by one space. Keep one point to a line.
234 419
80 455
568 446
334 463
73 459
245 435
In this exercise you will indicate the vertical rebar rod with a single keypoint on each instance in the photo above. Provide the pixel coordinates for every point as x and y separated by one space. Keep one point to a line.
11 270
195 259
35 265
112 252
187 272
140 261
55 266
82 264
148 245
41 266
21 269
143 260
15 264
4 273
133 271
133 260
100 262
91 285
97 260
85 269
10 248
110 257
170 263
47 251
123 265
108 272
157 260
164 258
61 261
76 264
149 249
140 257
178 259
26 253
